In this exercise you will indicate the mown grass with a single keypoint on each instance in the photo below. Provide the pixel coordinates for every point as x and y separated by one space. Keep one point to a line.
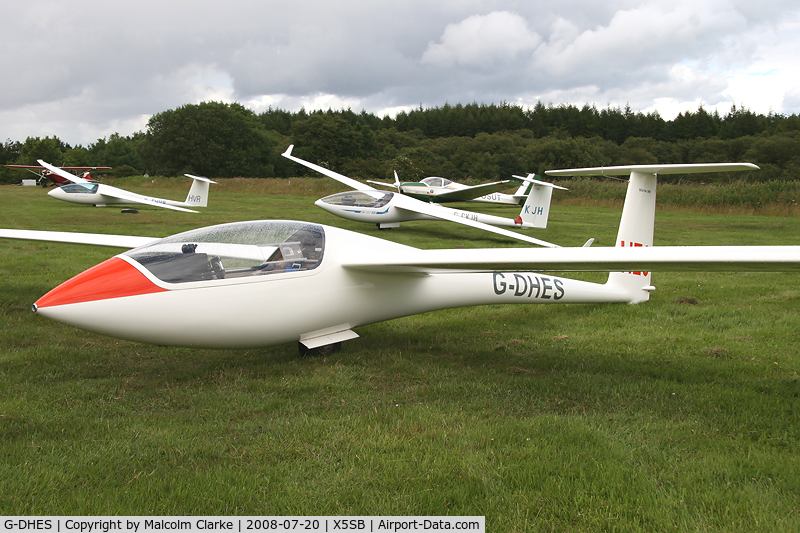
678 414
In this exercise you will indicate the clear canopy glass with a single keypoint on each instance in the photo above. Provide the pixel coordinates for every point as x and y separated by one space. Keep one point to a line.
80 188
234 250
434 181
359 198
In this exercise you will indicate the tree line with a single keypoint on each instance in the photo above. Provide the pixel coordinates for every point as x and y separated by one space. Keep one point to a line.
473 142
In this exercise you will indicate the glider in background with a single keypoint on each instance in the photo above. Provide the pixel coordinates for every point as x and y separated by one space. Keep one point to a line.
262 283
81 191
443 190
387 209
45 175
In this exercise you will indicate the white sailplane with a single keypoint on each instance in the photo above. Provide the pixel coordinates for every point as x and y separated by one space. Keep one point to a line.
82 191
388 209
443 190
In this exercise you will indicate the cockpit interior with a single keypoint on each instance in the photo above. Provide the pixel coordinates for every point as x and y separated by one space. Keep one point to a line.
80 188
236 250
434 181
359 198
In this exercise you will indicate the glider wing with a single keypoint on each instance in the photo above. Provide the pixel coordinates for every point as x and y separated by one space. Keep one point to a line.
451 215
350 182
97 239
63 173
579 259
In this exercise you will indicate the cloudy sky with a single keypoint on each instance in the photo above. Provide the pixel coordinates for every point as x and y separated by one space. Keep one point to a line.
82 70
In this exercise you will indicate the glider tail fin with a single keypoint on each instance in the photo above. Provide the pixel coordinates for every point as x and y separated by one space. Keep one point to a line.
198 194
524 189
536 208
636 228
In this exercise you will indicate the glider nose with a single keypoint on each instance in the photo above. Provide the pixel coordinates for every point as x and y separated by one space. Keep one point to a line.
114 278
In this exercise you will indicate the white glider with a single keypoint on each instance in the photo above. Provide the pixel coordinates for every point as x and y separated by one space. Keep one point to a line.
262 283
81 191
388 209
443 190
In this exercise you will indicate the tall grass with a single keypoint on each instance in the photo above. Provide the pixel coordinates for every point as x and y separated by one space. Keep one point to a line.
771 197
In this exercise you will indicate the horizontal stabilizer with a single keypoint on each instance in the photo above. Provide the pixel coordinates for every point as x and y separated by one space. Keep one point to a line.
625 170
530 179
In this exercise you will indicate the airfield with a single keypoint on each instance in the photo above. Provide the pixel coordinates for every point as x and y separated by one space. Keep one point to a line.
677 414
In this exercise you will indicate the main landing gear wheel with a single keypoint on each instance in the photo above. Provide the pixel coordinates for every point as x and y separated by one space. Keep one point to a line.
328 349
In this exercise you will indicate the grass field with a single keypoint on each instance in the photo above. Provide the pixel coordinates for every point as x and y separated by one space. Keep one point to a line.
681 414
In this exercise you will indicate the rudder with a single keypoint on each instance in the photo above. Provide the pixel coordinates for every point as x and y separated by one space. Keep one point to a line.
198 193
636 228
536 209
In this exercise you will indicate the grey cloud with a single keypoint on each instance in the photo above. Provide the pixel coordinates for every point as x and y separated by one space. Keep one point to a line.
106 65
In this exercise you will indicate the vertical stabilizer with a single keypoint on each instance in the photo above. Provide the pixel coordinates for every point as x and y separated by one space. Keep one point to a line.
536 208
636 228
522 192
198 194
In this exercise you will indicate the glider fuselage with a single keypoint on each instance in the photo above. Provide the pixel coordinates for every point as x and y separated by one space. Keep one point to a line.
99 194
125 297
392 208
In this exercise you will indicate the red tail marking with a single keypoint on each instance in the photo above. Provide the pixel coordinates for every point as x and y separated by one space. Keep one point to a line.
632 244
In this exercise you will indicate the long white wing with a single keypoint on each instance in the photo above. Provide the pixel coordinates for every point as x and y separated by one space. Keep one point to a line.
652 258
97 239
432 210
350 182
63 173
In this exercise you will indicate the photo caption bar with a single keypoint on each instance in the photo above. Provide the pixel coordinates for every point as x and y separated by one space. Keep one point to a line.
240 524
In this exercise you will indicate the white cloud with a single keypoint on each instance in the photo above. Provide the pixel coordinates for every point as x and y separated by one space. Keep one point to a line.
636 40
482 41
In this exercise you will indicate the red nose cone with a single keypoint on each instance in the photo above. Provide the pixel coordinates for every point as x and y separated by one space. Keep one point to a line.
113 278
